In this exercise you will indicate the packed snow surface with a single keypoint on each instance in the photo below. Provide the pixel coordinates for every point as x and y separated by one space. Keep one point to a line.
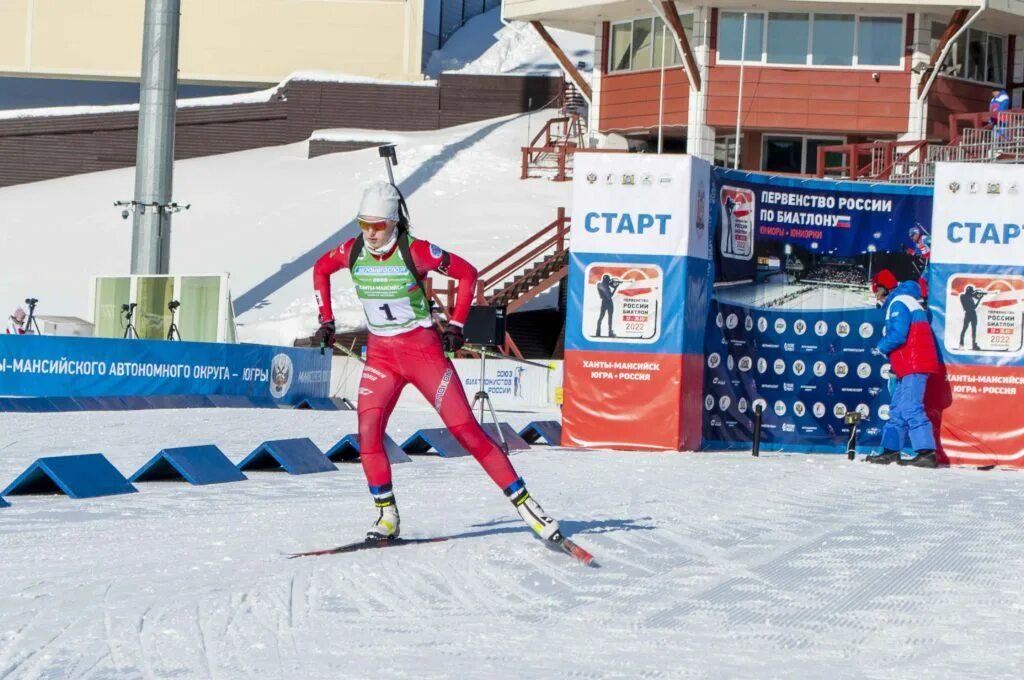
712 565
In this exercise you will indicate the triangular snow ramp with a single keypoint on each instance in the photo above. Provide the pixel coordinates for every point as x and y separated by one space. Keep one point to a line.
195 464
548 430
347 450
295 456
80 476
230 401
512 438
325 404
439 439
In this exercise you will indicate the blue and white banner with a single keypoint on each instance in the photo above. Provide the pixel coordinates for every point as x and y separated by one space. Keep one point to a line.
45 366
793 323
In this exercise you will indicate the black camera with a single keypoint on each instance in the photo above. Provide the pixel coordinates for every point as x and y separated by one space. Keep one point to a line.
128 309
31 302
173 304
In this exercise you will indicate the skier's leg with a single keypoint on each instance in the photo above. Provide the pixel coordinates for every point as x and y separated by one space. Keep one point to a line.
379 390
435 377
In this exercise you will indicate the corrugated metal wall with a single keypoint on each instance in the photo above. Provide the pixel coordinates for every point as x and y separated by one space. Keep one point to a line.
34 149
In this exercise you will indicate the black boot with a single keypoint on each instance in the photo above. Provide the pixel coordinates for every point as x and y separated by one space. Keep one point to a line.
884 458
925 458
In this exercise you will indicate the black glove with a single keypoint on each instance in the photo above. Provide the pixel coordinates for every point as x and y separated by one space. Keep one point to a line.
325 336
452 340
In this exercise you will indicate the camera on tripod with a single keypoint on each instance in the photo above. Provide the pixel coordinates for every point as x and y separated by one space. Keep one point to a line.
31 302
173 305
129 309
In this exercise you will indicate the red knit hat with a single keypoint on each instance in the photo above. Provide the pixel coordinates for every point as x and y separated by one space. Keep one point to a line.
884 278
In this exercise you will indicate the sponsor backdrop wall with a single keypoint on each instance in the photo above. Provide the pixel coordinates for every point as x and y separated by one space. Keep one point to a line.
793 324
45 366
977 303
639 280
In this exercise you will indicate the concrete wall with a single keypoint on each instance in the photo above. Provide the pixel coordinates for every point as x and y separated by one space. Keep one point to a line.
222 41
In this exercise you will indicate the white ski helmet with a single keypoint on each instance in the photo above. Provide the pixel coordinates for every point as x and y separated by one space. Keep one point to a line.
380 201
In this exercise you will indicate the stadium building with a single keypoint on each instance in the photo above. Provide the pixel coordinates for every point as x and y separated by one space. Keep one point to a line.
807 75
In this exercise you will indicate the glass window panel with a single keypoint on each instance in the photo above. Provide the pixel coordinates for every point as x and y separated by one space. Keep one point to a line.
954 63
938 29
782 154
663 42
730 35
111 293
152 318
787 38
995 60
880 41
642 39
833 40
200 305
975 55
831 159
621 36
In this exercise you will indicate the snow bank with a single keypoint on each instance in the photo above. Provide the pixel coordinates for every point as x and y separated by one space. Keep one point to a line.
487 46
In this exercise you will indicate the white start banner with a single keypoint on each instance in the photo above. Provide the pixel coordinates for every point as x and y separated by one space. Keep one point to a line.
640 204
977 216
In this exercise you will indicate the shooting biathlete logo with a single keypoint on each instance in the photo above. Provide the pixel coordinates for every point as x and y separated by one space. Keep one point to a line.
738 226
985 314
622 303
281 372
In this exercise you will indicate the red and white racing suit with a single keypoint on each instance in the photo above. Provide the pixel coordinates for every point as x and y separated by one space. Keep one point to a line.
414 356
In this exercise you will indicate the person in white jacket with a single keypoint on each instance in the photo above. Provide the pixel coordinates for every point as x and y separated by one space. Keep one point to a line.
16 322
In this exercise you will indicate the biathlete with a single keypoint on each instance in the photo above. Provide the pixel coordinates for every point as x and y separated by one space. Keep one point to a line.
387 266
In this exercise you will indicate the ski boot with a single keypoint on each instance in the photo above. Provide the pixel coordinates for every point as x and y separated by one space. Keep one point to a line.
925 458
884 458
545 527
387 526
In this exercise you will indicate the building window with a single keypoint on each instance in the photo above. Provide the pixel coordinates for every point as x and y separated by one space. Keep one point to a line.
797 155
730 36
978 56
880 41
641 44
799 39
725 151
787 38
832 41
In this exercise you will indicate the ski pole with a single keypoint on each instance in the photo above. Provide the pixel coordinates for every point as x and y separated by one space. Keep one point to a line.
495 355
348 352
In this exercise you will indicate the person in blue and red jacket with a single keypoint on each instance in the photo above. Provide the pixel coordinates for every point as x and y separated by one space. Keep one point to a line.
910 347
999 103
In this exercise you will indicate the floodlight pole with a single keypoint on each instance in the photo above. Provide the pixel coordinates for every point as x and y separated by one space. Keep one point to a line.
154 158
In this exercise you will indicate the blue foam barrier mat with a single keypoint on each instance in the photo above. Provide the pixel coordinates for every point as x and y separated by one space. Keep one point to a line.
79 476
295 456
440 440
347 450
512 438
197 465
550 431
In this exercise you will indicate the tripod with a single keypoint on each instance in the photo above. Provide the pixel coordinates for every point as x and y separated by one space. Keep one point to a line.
130 332
172 332
485 399
31 325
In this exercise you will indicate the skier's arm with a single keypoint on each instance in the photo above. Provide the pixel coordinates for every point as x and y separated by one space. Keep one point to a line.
329 262
897 328
430 258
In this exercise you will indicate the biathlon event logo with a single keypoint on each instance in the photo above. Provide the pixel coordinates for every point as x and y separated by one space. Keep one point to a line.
281 373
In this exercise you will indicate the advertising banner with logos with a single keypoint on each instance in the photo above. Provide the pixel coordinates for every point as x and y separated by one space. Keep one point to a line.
45 366
977 304
639 285
793 324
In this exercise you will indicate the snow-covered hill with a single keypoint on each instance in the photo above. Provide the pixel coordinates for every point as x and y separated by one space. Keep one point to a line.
486 45
265 215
